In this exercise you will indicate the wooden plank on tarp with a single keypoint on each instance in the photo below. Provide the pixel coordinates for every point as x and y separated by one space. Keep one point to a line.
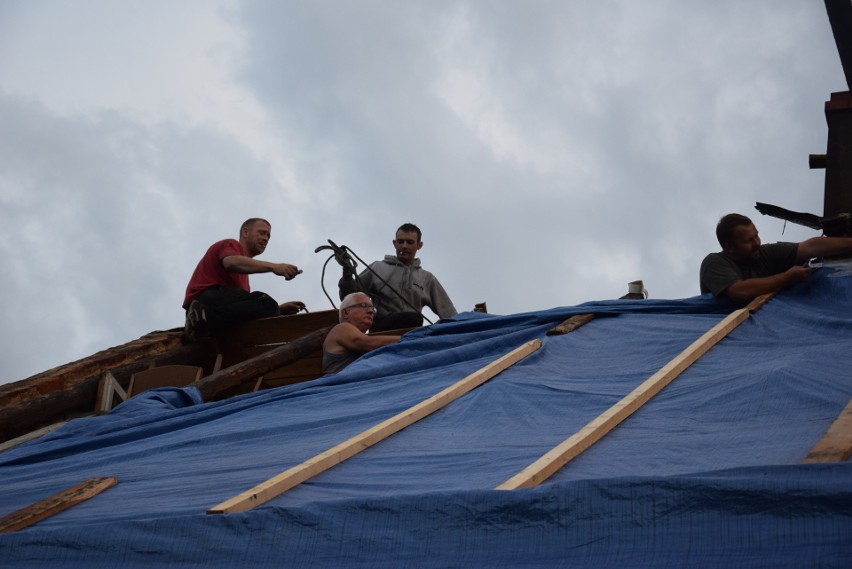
279 484
571 324
836 444
59 502
31 436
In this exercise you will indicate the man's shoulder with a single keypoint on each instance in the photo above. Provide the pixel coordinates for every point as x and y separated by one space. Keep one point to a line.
338 331
231 246
711 258
345 328
230 242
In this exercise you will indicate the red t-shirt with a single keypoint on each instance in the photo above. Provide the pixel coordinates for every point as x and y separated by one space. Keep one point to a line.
210 271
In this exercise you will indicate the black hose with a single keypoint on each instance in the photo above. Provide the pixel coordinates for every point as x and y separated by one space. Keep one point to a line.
342 251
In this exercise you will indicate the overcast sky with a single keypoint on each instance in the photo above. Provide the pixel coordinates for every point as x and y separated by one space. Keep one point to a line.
551 151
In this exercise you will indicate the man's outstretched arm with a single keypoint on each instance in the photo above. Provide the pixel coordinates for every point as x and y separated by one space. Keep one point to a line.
349 337
747 289
247 265
823 247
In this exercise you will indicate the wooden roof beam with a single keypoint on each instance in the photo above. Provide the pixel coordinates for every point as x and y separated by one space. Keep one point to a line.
840 18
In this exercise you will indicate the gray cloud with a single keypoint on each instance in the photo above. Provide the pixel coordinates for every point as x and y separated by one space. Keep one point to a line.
550 151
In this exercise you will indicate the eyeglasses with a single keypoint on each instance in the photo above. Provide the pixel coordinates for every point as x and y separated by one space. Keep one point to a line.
370 307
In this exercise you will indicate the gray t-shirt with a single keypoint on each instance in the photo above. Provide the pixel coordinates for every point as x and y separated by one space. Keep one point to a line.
718 271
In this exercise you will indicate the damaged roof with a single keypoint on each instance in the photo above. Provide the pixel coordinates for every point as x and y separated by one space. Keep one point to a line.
709 472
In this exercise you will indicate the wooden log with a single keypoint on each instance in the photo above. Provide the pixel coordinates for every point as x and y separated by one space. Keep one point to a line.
840 17
67 375
52 408
249 370
838 168
571 324
279 484
836 444
80 396
559 456
59 502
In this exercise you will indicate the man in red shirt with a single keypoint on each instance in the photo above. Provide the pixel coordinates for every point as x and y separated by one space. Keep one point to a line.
218 293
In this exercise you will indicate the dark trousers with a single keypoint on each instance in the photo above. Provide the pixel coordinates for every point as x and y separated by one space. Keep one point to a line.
396 320
228 305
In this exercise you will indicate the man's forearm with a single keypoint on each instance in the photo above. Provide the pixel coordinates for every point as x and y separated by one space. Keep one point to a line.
245 265
747 289
824 247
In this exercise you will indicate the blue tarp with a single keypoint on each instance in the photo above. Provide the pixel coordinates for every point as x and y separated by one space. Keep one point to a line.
707 474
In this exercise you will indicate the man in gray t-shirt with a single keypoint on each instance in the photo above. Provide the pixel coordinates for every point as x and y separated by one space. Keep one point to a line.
745 269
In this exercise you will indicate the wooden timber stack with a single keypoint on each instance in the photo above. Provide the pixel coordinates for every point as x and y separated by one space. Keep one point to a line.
70 390
263 353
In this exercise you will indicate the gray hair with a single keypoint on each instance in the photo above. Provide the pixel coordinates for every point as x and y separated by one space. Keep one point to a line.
349 300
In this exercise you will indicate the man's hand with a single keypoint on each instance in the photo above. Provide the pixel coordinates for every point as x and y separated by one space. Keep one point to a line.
292 307
285 270
344 260
797 274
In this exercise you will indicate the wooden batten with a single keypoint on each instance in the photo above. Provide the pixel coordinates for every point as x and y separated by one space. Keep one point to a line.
571 324
31 436
59 502
277 485
836 444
